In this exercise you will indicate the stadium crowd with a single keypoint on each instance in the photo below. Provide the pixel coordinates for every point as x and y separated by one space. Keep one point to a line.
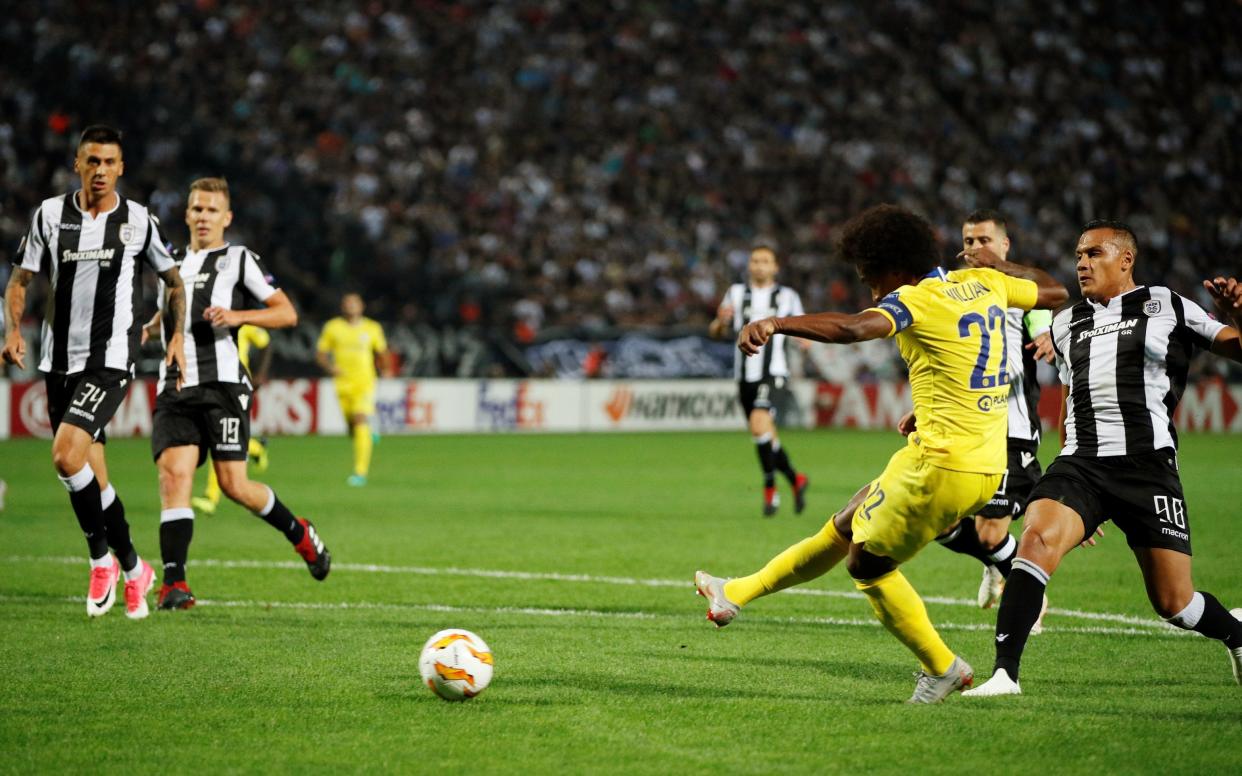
528 169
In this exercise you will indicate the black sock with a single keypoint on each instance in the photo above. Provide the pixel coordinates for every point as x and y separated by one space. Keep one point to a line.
781 461
175 538
90 517
1213 621
767 461
965 540
1019 609
280 518
118 534
1007 550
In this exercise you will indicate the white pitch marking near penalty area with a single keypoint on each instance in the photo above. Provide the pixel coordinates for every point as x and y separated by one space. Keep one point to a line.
1145 627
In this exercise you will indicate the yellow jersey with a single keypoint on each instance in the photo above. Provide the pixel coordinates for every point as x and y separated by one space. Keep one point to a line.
950 328
251 337
353 348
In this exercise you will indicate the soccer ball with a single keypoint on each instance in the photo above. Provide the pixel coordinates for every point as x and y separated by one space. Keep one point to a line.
456 664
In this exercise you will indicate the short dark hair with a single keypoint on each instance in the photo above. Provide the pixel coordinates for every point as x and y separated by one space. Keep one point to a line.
100 133
1116 226
982 215
764 244
887 238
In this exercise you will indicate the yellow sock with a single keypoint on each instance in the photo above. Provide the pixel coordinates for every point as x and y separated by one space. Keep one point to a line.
362 449
900 609
212 493
802 562
255 449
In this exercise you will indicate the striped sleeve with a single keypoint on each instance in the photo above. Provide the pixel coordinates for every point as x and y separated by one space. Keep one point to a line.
33 247
1202 327
257 280
158 250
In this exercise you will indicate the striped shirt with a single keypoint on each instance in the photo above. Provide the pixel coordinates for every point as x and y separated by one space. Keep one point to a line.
231 277
754 304
94 310
1024 423
1125 364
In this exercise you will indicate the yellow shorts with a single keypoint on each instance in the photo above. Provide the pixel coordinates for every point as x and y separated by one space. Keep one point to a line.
356 402
913 502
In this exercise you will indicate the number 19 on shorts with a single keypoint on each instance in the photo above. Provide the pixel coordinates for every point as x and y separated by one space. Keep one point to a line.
230 430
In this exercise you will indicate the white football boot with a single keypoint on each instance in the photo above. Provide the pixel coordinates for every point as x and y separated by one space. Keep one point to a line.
999 684
934 689
720 610
1236 654
990 588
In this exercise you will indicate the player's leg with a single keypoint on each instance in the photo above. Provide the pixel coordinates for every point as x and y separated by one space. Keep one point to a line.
763 432
138 574
176 465
262 501
79 406
901 611
1171 590
1052 529
808 559
363 446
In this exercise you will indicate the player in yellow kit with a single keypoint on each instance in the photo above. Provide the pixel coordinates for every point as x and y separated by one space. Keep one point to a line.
950 328
349 347
248 337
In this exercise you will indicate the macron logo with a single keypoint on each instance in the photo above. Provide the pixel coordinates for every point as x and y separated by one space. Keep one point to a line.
1001 637
1107 329
1027 459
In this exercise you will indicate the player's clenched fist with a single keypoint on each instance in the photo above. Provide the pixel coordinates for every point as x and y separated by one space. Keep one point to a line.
1227 293
755 335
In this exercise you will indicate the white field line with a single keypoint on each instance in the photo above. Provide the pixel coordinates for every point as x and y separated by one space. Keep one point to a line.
590 613
552 576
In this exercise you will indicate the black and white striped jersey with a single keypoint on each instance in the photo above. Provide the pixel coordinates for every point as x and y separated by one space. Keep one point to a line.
93 317
230 276
1125 364
754 304
1024 420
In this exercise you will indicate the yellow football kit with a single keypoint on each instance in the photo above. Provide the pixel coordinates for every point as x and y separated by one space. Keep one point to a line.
950 328
251 337
354 347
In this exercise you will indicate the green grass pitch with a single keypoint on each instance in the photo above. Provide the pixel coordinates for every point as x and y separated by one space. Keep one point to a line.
572 556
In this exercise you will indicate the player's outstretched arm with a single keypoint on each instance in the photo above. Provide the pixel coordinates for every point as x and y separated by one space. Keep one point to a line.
1227 294
821 327
1051 293
278 314
14 310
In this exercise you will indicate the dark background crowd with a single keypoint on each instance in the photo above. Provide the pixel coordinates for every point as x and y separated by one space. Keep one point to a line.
492 176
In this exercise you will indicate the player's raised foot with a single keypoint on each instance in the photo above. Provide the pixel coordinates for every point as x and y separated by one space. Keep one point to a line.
934 689
990 588
1038 627
101 594
771 501
203 505
311 548
800 485
999 684
356 480
176 596
136 590
720 610
1236 654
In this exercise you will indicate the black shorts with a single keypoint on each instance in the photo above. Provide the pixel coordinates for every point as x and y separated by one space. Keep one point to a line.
1015 488
214 416
87 399
1141 494
759 395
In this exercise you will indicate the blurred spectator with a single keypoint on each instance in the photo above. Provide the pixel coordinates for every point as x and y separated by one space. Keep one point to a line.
519 171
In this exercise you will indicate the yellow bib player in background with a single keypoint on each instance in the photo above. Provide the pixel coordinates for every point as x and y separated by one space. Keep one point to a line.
348 349
248 338
950 328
